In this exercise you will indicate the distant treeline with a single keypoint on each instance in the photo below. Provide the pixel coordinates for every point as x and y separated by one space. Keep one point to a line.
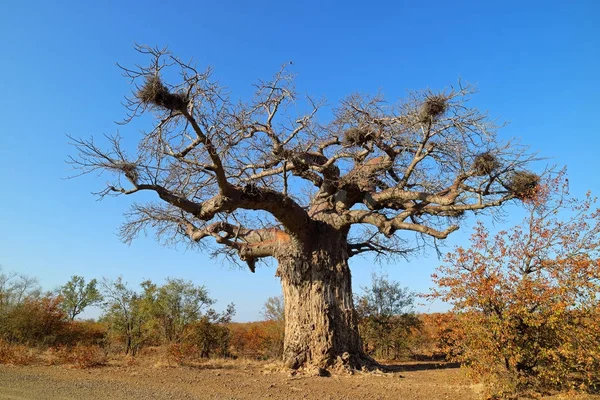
178 317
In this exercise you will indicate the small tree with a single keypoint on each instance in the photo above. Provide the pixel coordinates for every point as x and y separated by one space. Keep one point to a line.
77 295
260 180
177 313
15 288
176 305
125 314
211 334
273 309
274 312
529 297
386 317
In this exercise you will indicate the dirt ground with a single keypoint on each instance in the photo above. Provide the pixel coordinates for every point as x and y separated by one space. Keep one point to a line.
228 380
231 380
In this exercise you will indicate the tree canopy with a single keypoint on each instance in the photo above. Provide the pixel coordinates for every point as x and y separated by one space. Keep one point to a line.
77 295
250 173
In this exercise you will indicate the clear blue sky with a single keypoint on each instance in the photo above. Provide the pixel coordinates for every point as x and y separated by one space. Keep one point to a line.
537 65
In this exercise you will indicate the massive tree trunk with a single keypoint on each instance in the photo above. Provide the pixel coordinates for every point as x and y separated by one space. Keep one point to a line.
321 325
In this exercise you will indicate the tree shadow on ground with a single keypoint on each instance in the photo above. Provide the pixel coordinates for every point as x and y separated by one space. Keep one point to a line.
418 366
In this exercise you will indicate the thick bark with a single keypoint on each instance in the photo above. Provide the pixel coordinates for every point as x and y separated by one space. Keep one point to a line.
321 325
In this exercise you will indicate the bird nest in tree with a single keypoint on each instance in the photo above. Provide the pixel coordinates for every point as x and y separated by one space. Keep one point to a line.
523 184
485 163
357 136
130 171
299 164
433 107
154 92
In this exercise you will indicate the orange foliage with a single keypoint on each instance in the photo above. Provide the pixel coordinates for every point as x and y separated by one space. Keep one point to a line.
528 298
15 354
257 340
80 355
437 338
178 353
36 321
83 332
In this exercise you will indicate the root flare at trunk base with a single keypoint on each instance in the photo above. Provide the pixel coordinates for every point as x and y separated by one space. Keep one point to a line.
343 364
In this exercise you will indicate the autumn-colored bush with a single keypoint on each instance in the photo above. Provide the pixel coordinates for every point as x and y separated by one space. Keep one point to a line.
179 353
438 337
40 322
176 353
16 354
80 355
35 322
527 299
201 340
257 340
83 332
273 346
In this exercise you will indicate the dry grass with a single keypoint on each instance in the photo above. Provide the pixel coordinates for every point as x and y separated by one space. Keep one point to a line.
79 356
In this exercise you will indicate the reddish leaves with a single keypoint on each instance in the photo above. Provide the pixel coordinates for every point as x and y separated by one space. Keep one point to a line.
528 297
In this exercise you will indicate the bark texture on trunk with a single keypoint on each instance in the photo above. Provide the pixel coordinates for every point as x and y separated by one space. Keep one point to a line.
321 326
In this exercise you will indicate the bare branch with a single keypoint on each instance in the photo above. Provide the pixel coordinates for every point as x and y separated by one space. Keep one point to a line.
388 226
417 166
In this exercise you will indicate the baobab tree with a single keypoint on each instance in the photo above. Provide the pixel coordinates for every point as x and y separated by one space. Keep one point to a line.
261 180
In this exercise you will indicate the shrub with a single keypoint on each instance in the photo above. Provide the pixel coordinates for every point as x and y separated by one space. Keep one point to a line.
211 338
527 298
386 316
83 332
35 322
257 340
80 356
179 353
16 354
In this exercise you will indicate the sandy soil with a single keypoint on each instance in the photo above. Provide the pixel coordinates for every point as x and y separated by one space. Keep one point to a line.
229 381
